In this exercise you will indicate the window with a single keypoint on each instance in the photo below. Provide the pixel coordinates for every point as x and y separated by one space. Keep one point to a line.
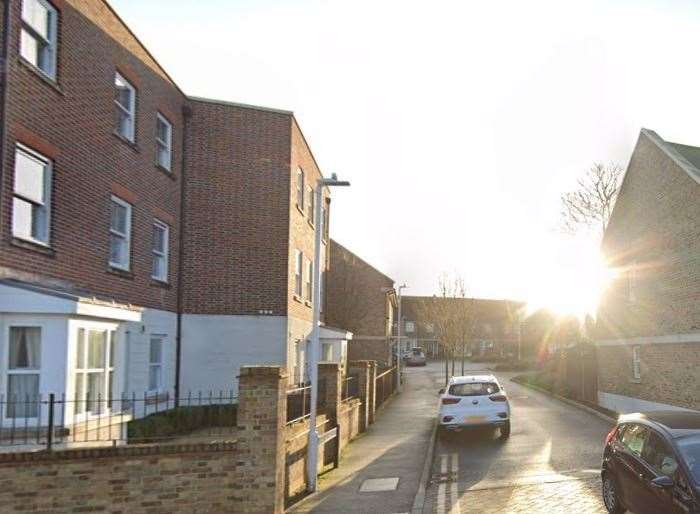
325 221
125 101
164 142
327 352
94 370
633 438
632 283
298 259
119 234
473 389
636 362
308 280
38 35
659 455
31 202
689 448
23 368
161 234
429 328
155 364
300 188
410 327
312 206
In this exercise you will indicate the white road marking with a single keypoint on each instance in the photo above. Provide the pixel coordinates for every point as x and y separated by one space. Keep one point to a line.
441 487
454 493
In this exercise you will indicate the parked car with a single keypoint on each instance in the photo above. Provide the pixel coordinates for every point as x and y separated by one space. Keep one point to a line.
416 358
651 463
474 401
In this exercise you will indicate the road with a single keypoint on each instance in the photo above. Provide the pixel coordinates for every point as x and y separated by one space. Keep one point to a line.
550 463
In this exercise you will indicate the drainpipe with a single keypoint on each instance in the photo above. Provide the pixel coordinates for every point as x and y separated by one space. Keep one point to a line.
4 72
186 113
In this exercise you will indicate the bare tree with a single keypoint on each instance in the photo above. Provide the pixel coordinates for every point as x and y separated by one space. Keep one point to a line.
590 204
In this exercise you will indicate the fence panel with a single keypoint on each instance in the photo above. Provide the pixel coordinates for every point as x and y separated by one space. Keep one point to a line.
385 384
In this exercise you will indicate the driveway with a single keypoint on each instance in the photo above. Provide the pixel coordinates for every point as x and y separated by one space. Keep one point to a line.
550 464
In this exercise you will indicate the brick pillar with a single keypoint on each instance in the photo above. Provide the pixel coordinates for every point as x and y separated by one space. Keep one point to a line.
262 408
330 372
372 401
362 370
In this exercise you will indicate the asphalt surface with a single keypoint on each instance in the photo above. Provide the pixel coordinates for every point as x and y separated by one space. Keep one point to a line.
550 463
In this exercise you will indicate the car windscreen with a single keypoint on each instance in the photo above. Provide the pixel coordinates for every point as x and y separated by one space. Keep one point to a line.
473 389
689 448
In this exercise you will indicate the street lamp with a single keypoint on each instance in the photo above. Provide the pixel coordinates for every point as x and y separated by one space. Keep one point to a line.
312 454
398 339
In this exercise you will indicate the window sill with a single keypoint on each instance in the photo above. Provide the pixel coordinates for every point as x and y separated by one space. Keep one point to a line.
35 246
165 171
130 144
301 210
49 81
635 380
160 283
298 298
313 227
307 303
120 272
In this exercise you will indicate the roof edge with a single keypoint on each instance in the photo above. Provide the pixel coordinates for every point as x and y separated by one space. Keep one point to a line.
239 105
673 154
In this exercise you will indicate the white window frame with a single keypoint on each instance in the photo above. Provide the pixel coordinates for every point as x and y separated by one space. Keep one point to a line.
128 110
50 43
410 327
298 273
300 188
637 362
80 405
126 236
166 145
46 206
159 365
157 254
312 205
308 280
20 371
327 352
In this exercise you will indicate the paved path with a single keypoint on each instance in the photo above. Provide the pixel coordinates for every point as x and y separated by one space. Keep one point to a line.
394 447
550 464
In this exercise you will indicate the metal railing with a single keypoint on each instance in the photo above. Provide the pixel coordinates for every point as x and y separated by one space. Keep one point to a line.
385 383
299 401
350 388
54 421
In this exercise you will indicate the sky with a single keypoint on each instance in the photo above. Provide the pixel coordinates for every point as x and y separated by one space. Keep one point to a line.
459 123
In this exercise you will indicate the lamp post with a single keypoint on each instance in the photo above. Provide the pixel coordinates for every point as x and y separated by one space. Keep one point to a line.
312 454
398 339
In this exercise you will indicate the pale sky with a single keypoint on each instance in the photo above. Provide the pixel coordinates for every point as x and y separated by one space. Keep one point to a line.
459 123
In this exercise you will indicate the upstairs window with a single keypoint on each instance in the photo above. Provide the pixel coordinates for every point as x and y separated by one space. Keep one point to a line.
125 102
308 282
38 35
31 196
161 233
119 234
637 362
298 267
300 188
164 140
325 222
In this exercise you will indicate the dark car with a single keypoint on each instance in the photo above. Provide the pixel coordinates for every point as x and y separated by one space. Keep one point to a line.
651 464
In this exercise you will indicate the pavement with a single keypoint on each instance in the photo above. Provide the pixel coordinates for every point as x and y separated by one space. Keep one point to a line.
550 463
394 447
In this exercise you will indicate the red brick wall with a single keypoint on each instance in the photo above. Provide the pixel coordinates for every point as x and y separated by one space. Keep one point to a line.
74 119
237 210
175 479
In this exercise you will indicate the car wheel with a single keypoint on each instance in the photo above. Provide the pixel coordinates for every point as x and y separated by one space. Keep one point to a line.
505 431
611 496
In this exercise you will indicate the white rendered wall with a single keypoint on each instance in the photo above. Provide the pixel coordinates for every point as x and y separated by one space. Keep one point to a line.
214 347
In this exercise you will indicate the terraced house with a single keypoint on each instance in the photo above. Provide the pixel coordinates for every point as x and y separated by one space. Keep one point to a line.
648 326
149 241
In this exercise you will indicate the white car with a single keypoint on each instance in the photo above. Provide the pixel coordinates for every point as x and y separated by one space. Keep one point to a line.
474 401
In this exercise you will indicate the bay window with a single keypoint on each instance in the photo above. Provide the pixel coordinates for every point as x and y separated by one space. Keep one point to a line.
24 364
94 370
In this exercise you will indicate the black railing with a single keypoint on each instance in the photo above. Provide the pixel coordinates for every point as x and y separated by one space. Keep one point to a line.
53 421
299 401
385 383
350 387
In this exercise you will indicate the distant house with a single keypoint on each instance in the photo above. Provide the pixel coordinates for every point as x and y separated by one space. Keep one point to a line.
361 299
648 329
495 327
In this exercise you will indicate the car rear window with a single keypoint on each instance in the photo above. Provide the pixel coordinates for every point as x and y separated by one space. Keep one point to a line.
474 389
689 447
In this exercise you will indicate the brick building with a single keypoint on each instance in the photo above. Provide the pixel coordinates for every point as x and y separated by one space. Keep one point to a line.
494 327
148 240
361 299
648 330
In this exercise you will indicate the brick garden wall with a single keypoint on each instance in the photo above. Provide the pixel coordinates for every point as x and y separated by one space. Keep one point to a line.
296 442
349 421
148 479
669 373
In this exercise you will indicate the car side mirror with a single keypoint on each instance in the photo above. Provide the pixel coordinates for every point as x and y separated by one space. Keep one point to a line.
662 482
441 391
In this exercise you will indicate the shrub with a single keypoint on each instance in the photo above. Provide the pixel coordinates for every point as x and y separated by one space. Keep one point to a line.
181 421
